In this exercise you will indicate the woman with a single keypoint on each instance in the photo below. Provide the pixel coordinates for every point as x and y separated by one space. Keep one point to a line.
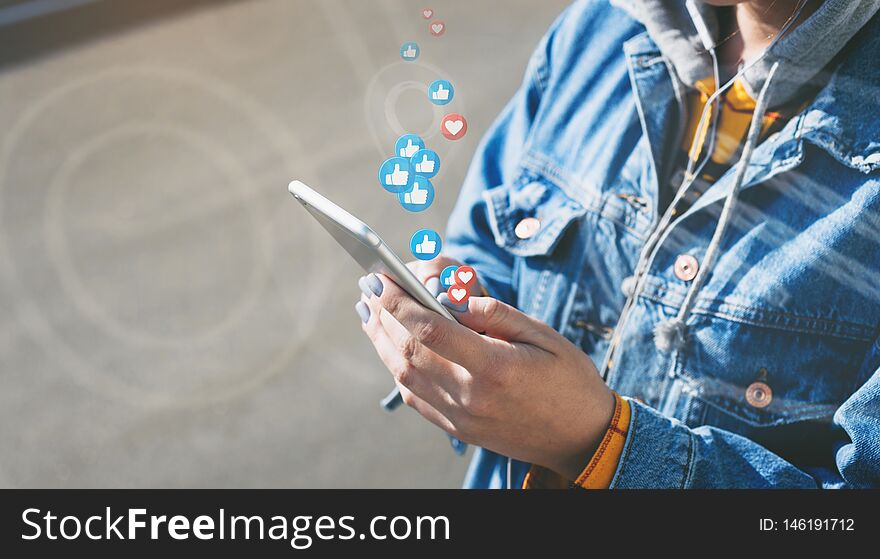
683 280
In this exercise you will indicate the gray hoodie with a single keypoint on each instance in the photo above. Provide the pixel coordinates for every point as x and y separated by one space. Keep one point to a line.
802 54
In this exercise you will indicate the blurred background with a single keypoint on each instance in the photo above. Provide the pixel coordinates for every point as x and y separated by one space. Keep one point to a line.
169 316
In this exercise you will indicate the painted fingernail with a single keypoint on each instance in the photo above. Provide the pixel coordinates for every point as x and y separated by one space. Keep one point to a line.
433 286
374 284
365 289
363 311
446 302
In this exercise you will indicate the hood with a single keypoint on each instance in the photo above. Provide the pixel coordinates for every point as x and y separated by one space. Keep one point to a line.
802 54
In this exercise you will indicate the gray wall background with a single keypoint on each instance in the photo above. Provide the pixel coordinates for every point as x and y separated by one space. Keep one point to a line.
169 317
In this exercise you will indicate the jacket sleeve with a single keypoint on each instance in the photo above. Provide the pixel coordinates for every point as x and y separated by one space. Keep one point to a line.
469 237
664 453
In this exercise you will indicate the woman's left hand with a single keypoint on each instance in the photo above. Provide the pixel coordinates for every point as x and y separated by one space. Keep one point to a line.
519 388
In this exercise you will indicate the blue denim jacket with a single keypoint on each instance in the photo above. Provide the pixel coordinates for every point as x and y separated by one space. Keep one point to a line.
793 301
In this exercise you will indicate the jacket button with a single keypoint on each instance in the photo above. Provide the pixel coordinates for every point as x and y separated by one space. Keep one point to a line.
686 267
527 228
759 395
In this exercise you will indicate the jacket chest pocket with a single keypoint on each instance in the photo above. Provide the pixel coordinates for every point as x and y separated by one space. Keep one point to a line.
571 252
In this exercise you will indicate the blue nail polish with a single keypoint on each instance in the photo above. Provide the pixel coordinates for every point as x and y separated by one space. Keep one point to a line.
375 284
363 311
446 302
365 288
434 286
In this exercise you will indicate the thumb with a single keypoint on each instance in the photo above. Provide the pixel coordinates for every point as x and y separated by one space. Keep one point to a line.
425 240
415 187
397 168
499 320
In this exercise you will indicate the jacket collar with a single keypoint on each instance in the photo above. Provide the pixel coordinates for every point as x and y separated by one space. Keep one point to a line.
842 119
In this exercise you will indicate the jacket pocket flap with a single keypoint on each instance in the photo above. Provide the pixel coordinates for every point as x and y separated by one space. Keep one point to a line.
546 203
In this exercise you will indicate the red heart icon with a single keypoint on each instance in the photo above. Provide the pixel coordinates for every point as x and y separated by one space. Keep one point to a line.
437 28
465 275
453 126
458 294
427 13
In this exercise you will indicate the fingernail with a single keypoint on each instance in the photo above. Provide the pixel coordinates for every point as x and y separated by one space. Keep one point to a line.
374 284
433 286
447 302
363 311
362 283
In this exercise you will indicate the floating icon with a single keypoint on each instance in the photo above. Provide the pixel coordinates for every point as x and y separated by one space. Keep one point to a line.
453 126
447 277
458 294
407 145
395 175
427 13
441 92
425 244
418 198
425 162
437 28
465 275
409 51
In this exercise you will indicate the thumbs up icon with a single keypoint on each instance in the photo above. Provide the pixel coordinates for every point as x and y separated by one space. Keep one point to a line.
417 196
440 92
409 51
425 244
410 149
425 166
397 177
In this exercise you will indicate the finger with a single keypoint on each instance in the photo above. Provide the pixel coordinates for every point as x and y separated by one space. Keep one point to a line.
500 320
445 337
427 411
424 373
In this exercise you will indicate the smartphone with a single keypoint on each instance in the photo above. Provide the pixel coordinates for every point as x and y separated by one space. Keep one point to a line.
364 245
371 252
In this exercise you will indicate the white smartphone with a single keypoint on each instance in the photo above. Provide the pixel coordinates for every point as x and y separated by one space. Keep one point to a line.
364 245
371 252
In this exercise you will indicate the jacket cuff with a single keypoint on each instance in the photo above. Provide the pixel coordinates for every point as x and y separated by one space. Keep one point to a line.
602 466
658 452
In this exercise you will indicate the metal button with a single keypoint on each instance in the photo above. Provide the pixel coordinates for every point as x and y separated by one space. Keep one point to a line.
527 228
686 267
759 395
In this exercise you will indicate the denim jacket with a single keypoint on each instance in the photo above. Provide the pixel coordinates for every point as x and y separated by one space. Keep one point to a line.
778 381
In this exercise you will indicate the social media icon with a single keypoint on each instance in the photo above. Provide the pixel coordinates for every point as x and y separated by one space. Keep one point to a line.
418 198
453 126
395 175
407 145
425 162
409 51
441 92
465 275
458 294
447 276
425 244
437 28
427 13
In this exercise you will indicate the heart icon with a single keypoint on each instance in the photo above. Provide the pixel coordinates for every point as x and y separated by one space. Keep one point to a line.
437 28
427 13
453 126
465 275
458 294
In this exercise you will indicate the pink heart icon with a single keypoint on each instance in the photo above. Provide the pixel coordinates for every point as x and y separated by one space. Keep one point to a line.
437 28
453 126
427 13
